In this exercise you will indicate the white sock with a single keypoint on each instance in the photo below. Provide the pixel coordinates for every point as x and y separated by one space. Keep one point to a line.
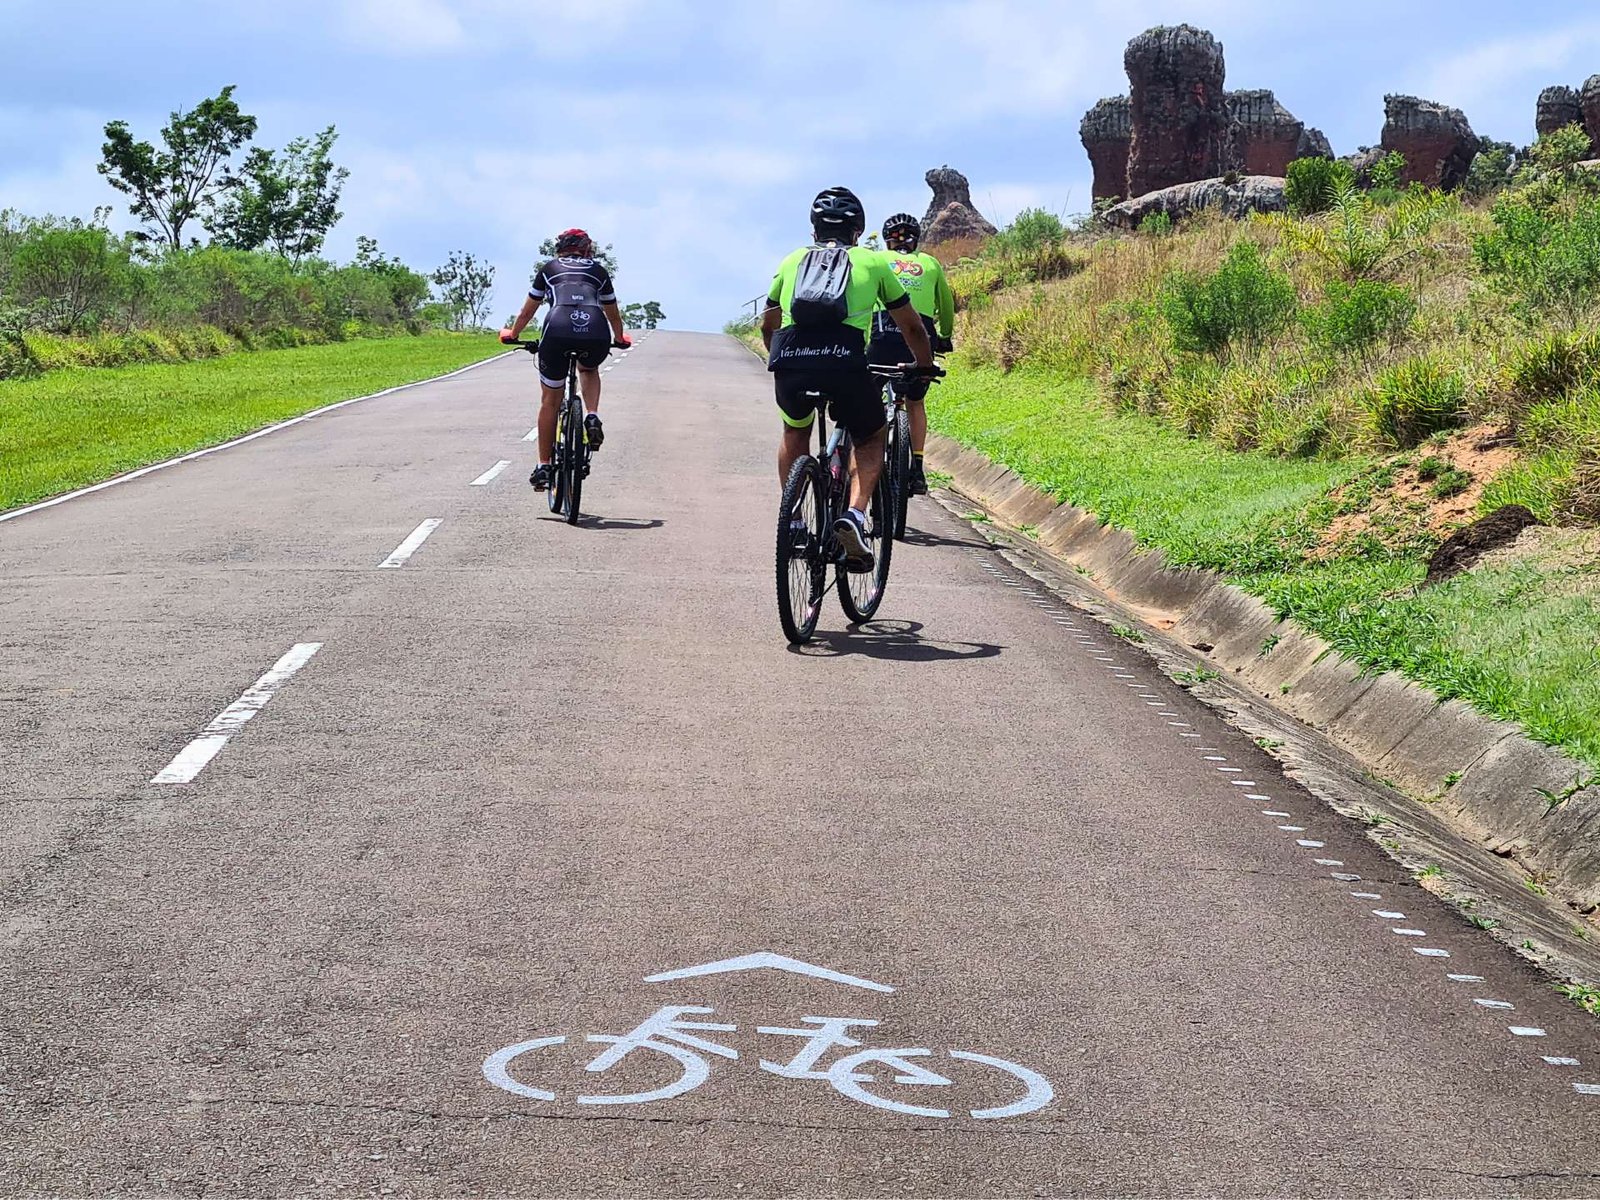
859 516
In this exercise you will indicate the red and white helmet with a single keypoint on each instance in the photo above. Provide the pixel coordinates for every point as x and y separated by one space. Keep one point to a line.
570 240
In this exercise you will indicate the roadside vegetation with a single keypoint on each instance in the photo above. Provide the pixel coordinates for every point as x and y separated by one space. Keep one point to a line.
76 426
1311 402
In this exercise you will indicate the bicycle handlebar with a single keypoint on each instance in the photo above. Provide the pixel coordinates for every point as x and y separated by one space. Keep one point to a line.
533 345
907 371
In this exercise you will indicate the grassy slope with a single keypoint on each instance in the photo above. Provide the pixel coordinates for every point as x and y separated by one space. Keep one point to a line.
1517 642
75 427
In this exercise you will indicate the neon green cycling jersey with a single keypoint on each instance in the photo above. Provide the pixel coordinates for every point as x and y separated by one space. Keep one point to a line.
923 277
872 285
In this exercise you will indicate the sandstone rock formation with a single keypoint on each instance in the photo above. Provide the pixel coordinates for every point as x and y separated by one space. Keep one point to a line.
1267 135
951 214
1436 140
1245 194
1362 162
1589 100
1314 144
1558 108
1181 127
1107 133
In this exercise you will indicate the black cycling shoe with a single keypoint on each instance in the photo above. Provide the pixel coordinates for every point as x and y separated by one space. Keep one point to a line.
919 479
852 539
594 431
540 479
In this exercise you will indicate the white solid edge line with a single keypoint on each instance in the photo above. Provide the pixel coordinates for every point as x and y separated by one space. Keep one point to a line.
412 543
239 441
192 759
489 475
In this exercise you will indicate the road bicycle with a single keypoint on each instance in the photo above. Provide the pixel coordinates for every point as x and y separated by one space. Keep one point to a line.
897 446
898 1070
570 465
815 495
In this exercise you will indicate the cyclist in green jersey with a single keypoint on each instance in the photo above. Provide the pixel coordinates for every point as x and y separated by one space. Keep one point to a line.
830 358
923 278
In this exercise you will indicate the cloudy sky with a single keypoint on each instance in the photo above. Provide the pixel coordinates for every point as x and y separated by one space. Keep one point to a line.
693 133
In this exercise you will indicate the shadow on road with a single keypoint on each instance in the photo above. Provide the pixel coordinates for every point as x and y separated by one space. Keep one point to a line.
896 641
916 537
615 524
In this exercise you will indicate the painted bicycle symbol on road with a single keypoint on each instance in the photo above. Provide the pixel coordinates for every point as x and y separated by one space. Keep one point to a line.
857 1071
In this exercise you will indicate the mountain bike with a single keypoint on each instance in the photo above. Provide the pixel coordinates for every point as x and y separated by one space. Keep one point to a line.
815 495
569 466
897 446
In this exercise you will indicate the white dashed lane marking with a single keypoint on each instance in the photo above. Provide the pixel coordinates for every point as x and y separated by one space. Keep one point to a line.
413 542
1528 1031
488 476
1430 952
1466 978
1556 1060
1479 1000
192 759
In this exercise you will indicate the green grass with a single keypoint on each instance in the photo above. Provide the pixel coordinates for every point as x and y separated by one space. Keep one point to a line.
75 427
1517 642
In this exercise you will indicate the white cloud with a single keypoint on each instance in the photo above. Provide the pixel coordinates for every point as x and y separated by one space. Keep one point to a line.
403 26
1500 79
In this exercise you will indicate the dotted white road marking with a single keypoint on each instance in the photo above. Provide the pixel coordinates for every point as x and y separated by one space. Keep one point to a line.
1272 812
1231 770
1466 978
1587 1089
1186 725
1366 895
1410 932
1525 1031
1344 877
1492 1003
1292 828
1235 782
489 476
1193 735
1309 844
1216 758
192 759
1387 915
532 435
1329 862
1556 1060
1257 796
1430 952
413 542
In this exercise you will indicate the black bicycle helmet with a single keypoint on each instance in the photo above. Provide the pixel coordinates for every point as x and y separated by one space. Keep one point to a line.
904 224
837 214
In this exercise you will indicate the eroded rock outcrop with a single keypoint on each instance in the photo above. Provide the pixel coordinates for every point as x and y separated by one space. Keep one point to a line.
950 214
1589 103
1182 130
1234 196
1107 134
1558 108
1314 144
1267 135
1436 140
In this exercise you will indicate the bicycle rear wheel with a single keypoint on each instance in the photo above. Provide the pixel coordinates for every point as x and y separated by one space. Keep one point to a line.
573 451
860 594
900 469
802 574
556 494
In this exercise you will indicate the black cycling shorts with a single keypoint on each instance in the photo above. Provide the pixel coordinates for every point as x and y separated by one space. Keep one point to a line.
856 396
553 352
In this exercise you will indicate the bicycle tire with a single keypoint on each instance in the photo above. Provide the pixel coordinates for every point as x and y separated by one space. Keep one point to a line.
861 594
801 575
575 450
556 494
900 451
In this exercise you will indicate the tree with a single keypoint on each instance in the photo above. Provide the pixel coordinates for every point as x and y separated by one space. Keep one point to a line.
643 316
286 202
70 273
407 289
171 186
464 285
608 260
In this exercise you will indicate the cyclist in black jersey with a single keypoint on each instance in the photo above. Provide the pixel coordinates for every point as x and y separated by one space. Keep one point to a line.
583 319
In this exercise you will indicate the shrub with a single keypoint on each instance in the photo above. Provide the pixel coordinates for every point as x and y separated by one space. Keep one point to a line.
1491 169
1555 364
1244 300
1157 224
1312 184
1353 317
1032 230
1547 258
1385 175
1411 401
1361 240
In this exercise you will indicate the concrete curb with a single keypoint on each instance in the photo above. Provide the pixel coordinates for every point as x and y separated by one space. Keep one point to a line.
1484 776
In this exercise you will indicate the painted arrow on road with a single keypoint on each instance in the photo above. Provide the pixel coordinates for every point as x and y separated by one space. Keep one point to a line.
779 962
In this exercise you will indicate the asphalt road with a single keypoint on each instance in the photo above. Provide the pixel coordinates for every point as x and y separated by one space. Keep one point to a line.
534 765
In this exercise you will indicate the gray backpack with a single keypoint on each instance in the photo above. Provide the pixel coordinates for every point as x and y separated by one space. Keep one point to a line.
820 287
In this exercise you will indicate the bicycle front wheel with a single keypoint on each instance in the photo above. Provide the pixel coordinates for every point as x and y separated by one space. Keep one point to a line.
802 574
860 594
556 493
573 451
900 467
